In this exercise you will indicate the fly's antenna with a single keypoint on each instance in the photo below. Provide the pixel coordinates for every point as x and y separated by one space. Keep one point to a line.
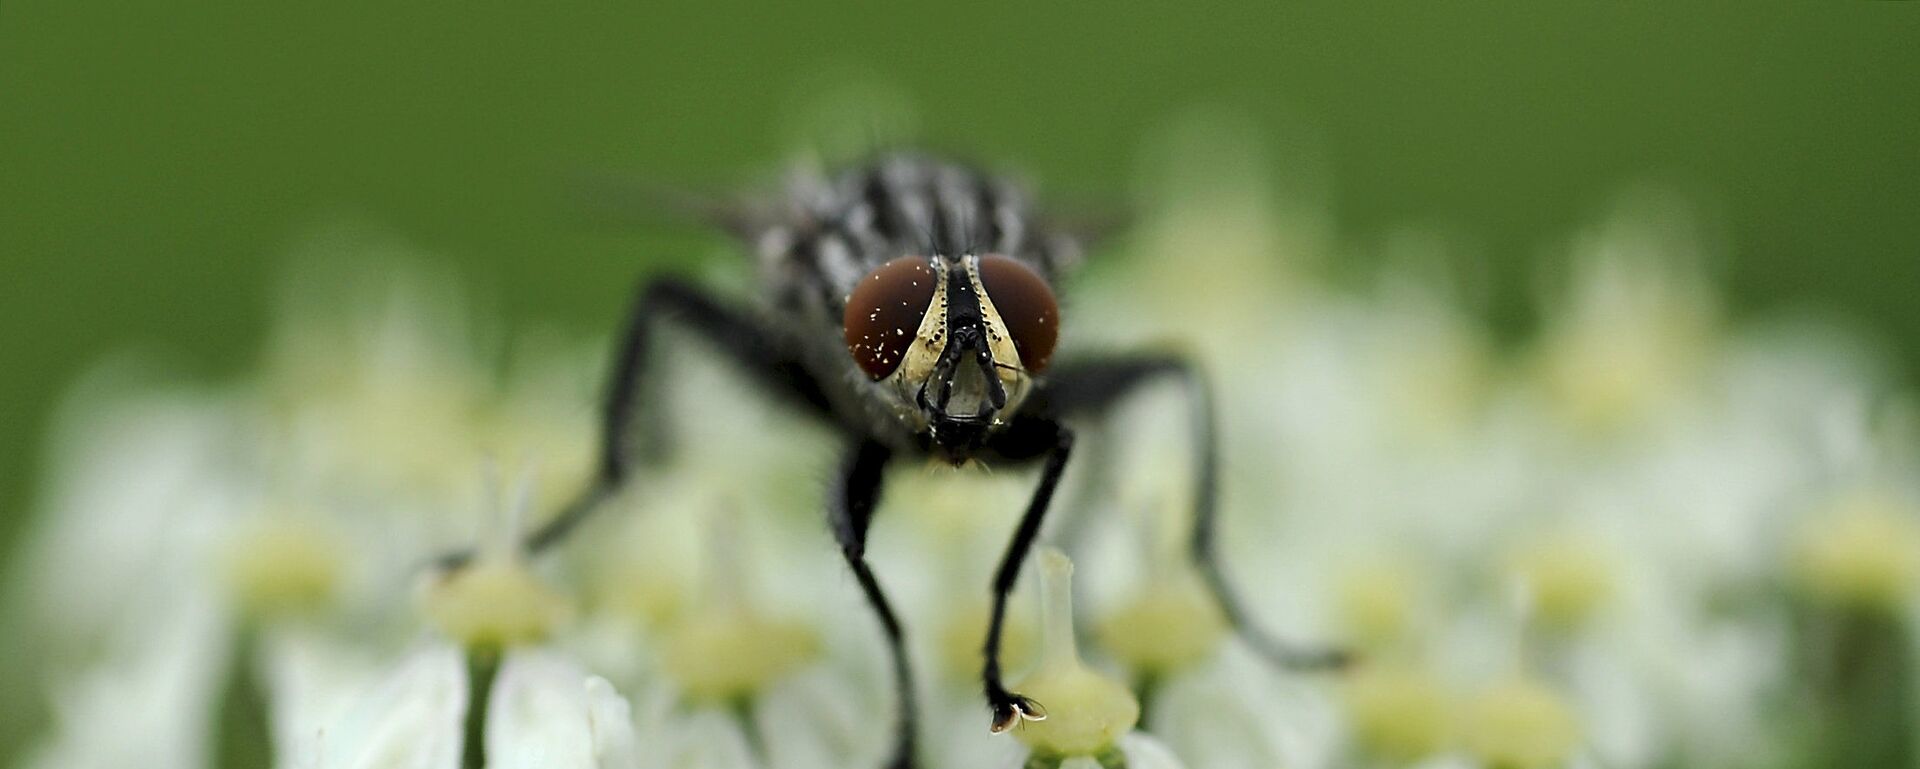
943 371
996 393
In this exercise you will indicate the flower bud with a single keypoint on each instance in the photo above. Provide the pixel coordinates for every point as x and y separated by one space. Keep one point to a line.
722 647
495 602
1520 724
1567 580
1399 713
1863 554
964 627
719 656
1170 620
284 565
1169 623
1376 605
1085 711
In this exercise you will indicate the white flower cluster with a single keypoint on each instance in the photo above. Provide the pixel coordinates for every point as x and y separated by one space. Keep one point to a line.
1643 537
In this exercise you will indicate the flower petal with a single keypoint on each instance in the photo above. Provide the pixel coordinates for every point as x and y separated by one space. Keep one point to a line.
411 720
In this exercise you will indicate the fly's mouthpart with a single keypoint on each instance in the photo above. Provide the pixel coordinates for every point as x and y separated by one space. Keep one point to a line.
982 393
996 392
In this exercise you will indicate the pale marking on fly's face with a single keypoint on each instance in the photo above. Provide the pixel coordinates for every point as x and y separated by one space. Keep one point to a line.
1007 364
930 339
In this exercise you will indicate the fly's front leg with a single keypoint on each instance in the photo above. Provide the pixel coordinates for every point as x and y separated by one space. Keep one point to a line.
735 334
1092 388
850 507
1056 443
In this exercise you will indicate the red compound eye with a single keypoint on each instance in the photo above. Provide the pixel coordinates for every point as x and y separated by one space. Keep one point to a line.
884 313
1026 306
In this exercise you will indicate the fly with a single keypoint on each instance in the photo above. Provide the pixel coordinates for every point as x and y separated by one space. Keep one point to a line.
908 302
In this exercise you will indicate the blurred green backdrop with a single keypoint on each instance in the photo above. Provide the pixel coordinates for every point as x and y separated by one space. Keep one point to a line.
156 159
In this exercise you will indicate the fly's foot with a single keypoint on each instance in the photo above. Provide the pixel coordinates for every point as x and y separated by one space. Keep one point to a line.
1010 709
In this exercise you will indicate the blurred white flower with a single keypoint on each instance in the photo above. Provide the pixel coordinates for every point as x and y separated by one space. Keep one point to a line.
410 718
1615 544
145 701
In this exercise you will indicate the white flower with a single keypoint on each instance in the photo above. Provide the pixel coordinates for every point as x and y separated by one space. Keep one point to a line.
543 713
146 701
410 719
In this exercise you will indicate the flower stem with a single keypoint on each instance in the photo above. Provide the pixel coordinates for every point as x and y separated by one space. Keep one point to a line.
482 666
1859 667
242 740
1146 687
742 708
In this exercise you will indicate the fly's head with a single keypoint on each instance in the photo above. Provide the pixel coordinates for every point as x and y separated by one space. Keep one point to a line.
952 344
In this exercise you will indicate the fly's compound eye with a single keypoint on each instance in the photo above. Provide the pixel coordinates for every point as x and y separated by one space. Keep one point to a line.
1026 307
884 312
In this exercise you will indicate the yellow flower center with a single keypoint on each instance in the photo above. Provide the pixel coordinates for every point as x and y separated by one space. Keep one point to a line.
495 602
723 648
1568 578
1520 724
285 565
1399 713
1171 622
1863 554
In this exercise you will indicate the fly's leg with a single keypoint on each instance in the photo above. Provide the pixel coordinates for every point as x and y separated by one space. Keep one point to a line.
735 334
1092 388
1056 443
850 507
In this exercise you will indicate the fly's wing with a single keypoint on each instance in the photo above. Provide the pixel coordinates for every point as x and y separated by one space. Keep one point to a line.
619 201
1090 226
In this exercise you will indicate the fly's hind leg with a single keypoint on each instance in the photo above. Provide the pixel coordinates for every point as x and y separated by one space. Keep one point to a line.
738 336
1092 388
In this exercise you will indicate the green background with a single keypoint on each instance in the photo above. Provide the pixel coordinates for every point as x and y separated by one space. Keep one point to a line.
156 161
